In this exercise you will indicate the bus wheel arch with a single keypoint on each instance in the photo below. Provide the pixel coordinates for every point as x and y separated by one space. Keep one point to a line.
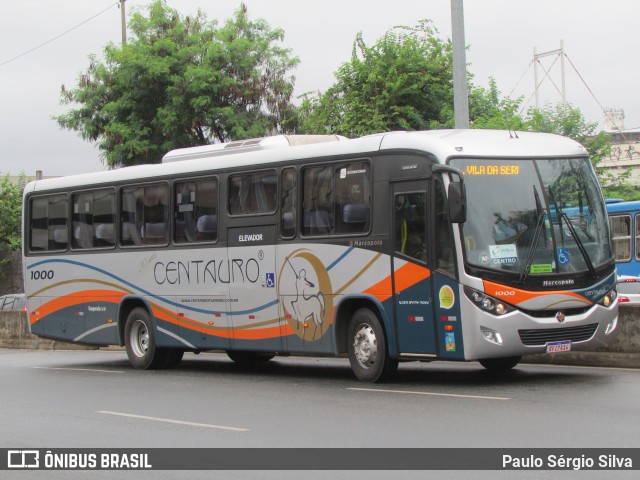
344 312
127 305
139 340
138 335
362 334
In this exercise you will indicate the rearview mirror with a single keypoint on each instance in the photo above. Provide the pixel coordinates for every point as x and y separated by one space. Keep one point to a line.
457 202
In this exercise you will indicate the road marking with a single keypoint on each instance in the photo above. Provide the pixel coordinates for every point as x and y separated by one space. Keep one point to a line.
176 422
434 394
80 369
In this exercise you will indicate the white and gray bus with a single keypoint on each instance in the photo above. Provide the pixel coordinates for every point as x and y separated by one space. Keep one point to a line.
453 245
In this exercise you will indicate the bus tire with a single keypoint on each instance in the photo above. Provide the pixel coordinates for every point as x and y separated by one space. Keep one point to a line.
367 348
140 341
172 357
500 365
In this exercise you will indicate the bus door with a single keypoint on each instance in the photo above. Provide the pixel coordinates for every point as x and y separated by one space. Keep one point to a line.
412 289
253 299
446 288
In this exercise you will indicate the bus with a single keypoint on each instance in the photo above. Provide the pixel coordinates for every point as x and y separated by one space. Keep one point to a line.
624 219
462 245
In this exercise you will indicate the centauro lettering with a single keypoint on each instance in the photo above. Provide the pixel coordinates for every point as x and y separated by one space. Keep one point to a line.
235 270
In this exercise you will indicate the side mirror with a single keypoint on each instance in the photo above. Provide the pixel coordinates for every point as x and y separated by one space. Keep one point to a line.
457 202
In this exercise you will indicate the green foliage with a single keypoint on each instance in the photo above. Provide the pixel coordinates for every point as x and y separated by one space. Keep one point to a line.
488 110
403 82
10 219
180 82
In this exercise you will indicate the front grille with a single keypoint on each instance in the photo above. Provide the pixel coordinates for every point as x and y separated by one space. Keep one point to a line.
552 313
543 336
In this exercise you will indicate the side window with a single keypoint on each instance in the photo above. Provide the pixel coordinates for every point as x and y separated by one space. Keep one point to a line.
93 219
353 198
444 240
410 226
253 193
621 234
317 204
48 223
288 202
196 210
336 199
144 215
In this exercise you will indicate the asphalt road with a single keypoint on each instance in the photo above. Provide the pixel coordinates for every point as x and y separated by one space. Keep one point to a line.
72 399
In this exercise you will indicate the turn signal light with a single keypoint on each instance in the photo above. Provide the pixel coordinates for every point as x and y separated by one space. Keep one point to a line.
609 298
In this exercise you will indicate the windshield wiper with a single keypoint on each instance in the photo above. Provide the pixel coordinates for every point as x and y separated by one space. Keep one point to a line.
536 237
574 234
583 251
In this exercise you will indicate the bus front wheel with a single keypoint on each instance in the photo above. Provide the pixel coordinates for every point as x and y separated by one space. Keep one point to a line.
140 342
500 365
367 348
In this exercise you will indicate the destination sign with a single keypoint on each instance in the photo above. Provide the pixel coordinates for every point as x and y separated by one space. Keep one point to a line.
492 170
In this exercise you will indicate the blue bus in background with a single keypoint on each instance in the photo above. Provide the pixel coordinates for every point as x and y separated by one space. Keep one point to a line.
624 219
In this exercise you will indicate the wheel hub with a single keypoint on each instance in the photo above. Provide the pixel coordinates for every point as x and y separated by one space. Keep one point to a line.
365 346
139 338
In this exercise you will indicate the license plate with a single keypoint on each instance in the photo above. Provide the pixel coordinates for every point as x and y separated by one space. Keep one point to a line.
556 347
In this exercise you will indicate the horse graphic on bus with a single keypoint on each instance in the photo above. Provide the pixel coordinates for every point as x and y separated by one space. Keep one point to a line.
305 294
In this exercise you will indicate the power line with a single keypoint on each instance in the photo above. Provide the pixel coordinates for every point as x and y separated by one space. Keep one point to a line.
535 90
521 77
58 36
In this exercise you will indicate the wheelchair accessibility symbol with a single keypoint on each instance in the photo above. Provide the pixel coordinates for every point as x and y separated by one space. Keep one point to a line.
563 256
271 280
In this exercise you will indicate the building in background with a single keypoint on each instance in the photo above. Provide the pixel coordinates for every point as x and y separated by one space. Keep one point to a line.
625 146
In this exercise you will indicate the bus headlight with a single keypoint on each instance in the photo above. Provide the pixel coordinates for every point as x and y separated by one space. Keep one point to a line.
609 298
487 303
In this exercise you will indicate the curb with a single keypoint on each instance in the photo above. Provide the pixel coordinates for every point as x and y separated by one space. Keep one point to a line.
587 359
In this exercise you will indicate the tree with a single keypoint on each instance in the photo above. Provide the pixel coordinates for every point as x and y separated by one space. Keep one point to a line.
180 82
568 121
10 219
402 82
564 119
488 109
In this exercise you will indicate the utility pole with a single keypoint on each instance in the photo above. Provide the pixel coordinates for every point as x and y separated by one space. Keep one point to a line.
124 22
460 93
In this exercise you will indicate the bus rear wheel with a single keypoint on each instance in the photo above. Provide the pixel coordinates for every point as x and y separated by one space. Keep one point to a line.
500 365
367 348
140 341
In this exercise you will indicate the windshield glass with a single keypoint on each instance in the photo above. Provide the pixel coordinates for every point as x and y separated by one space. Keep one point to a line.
534 217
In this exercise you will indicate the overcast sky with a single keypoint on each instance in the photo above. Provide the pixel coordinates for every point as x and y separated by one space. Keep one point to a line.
600 38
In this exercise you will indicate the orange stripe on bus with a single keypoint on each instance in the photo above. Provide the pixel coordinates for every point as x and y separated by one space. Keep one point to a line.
405 277
516 296
75 299
246 332
242 333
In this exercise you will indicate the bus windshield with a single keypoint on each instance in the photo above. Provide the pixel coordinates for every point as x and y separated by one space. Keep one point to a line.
547 219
